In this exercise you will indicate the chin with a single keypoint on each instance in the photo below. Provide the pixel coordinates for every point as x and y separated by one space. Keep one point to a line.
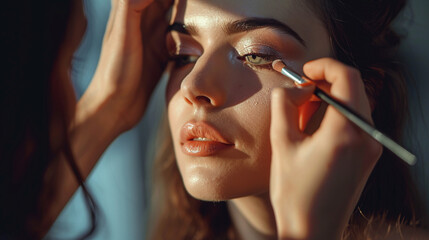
215 191
209 193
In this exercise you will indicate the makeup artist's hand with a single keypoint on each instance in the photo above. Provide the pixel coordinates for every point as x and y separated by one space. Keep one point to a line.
316 180
132 59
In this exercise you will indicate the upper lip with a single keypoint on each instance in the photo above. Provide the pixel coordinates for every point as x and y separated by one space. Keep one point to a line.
193 129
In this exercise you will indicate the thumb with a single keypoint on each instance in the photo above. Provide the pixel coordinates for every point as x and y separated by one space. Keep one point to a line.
284 131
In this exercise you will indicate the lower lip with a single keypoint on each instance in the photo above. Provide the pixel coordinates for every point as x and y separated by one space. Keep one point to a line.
203 148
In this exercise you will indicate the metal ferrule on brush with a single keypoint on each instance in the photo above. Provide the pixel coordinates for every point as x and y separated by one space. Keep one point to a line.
293 75
353 116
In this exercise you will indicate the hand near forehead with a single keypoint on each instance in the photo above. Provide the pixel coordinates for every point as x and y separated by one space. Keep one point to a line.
316 180
132 60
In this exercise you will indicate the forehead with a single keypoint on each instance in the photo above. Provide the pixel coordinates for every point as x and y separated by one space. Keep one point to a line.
210 14
253 8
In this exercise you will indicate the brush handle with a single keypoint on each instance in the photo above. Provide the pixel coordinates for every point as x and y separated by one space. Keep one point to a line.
363 124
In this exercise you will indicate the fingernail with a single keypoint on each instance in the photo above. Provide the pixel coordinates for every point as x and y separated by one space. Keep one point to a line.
305 84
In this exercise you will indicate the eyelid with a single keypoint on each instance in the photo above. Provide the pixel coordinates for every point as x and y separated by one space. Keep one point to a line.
259 49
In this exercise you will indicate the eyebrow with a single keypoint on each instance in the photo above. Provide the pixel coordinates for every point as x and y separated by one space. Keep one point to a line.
242 25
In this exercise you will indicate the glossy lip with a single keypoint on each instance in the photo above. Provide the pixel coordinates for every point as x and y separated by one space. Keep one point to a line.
214 142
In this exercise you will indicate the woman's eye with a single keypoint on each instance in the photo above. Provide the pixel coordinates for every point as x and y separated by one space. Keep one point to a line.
182 60
257 60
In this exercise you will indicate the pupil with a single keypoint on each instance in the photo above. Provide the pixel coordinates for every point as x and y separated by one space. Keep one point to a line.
254 57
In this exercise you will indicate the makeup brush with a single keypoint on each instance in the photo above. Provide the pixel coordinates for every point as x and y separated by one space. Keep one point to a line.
354 117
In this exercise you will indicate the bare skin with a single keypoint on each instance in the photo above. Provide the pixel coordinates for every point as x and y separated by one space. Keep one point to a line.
320 193
119 92
300 186
132 59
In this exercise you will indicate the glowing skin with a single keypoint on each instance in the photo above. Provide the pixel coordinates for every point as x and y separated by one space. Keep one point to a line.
221 86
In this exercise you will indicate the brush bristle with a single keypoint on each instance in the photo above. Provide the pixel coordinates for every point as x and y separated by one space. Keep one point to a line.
278 65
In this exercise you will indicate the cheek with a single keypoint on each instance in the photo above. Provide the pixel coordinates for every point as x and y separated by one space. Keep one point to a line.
254 116
174 108
173 85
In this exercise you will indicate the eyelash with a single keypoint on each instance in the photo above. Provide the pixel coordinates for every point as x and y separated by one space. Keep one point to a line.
183 60
267 57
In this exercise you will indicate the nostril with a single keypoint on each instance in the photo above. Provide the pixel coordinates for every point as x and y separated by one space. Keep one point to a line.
203 99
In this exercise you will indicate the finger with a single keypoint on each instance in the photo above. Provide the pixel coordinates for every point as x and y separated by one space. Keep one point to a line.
284 130
165 4
123 33
155 15
125 16
346 86
139 5
345 83
125 13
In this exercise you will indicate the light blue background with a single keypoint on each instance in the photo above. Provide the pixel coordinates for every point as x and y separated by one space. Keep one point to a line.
118 180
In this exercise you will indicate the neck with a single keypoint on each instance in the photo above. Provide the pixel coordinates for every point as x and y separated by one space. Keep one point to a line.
253 217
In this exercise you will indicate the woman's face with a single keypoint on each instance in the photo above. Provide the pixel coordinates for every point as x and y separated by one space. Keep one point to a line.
220 87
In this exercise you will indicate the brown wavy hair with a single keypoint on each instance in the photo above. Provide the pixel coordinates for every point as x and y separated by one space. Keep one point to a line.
30 98
361 36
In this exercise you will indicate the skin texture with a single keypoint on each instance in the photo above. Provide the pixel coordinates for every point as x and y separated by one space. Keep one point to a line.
236 99
332 186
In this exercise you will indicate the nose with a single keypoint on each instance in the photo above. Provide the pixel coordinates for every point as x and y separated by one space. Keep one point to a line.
206 84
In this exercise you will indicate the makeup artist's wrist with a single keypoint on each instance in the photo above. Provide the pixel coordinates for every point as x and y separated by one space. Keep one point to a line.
307 228
92 131
103 110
